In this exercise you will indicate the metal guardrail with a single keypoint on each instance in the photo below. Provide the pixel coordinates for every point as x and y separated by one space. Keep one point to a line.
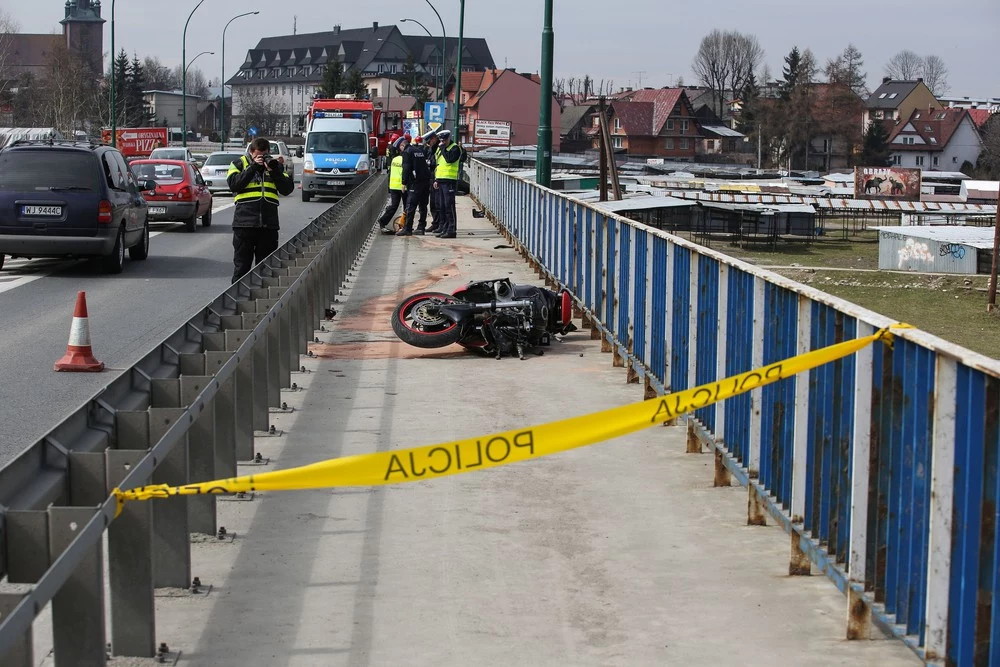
186 411
882 467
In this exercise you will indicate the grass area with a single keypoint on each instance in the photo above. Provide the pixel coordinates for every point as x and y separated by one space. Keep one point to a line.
944 306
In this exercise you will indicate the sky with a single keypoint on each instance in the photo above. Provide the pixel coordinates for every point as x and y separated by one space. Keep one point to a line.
632 42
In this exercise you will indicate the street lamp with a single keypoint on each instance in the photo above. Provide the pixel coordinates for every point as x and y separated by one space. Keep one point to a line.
184 96
444 46
114 119
222 106
458 69
441 66
543 152
184 136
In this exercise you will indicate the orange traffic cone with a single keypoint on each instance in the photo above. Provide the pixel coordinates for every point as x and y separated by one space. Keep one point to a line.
79 357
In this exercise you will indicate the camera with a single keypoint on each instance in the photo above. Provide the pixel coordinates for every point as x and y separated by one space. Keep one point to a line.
272 163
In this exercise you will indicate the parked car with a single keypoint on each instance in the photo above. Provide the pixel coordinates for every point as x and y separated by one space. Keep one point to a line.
174 153
180 193
279 148
66 199
215 169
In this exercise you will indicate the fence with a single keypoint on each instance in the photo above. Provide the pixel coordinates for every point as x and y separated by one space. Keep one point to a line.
882 467
187 411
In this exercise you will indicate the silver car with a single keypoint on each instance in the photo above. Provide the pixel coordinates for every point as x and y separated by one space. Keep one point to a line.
215 168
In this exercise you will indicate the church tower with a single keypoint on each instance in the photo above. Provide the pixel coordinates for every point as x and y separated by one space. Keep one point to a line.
83 29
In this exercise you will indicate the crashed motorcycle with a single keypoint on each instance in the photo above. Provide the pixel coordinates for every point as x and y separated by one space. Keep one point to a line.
492 317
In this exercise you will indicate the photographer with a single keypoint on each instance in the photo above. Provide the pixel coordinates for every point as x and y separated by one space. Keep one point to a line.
256 180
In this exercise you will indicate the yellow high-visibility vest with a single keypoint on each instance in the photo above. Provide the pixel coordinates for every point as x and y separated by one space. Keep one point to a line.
396 173
266 190
446 170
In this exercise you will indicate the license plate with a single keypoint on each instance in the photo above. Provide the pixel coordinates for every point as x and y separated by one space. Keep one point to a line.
41 210
157 210
336 183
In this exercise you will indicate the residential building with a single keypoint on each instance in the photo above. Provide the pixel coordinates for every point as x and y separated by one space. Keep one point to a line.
575 122
657 122
166 109
508 95
286 72
717 138
896 100
980 116
991 103
935 139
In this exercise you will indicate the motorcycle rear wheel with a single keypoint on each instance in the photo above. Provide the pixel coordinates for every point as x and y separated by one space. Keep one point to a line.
416 323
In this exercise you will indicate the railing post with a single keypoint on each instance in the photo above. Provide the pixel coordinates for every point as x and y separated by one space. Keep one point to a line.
756 513
941 509
201 452
859 616
171 533
130 563
798 562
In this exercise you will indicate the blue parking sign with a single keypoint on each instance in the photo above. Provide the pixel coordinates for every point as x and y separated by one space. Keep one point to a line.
252 131
434 113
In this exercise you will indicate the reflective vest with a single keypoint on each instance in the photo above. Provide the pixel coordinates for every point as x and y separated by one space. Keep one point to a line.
256 189
396 173
447 171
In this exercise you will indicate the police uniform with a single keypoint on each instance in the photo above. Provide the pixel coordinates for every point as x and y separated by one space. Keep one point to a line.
432 143
446 179
255 220
395 189
417 179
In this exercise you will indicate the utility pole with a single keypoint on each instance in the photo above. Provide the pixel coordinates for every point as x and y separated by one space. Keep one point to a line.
543 156
604 155
992 304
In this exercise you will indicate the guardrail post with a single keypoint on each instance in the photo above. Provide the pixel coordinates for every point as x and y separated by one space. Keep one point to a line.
201 450
21 654
273 337
225 406
243 386
130 561
29 530
261 419
78 630
171 534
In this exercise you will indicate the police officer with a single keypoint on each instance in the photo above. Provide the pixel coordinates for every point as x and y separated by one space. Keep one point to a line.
256 183
431 143
446 180
395 185
417 180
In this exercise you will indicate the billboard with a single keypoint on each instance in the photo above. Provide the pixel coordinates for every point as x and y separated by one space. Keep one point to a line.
896 183
133 141
492 133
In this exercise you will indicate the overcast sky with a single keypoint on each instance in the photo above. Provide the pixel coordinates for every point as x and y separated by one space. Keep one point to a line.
607 40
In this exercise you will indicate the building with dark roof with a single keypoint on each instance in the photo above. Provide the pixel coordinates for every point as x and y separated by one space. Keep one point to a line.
654 122
935 139
288 70
896 100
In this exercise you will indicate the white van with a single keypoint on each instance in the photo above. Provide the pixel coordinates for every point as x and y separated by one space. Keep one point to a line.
336 157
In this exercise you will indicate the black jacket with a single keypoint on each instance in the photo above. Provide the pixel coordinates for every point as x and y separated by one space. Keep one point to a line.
258 212
415 171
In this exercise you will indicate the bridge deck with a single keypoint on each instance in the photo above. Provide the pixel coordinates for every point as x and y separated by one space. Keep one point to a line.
619 553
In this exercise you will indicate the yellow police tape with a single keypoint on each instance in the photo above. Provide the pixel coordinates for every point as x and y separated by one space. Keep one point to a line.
496 449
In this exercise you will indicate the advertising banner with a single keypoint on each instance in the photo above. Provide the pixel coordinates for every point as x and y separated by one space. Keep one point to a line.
491 133
896 183
134 141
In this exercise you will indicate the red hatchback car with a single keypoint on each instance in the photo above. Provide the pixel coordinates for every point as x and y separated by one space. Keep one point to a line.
180 194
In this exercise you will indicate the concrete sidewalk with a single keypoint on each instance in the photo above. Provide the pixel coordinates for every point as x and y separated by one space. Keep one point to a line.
620 553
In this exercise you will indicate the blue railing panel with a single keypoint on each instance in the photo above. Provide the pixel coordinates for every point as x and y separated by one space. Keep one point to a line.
660 288
681 319
589 234
611 238
640 242
739 359
624 284
778 399
600 267
706 356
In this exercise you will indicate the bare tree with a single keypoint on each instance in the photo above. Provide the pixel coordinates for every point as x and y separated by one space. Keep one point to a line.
260 110
807 67
158 75
66 100
846 69
711 66
744 55
197 82
8 28
904 66
936 75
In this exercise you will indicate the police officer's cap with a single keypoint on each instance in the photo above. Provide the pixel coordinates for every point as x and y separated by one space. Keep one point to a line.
429 135
444 134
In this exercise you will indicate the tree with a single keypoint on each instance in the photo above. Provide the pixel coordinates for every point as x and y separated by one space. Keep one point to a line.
413 82
136 114
875 149
121 67
65 98
197 82
159 76
260 110
333 78
790 72
711 66
904 66
988 165
8 28
936 75
743 55
846 69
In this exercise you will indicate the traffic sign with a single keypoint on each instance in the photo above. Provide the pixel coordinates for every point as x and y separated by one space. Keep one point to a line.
252 131
434 115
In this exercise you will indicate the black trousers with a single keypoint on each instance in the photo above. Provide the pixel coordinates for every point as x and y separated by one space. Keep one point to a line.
250 246
436 205
448 214
417 196
391 206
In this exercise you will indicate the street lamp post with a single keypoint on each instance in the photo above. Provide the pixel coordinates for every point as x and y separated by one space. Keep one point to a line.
114 119
543 156
184 136
222 93
444 47
458 69
184 101
440 60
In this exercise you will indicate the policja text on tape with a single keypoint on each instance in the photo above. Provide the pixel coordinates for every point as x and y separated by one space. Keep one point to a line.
452 458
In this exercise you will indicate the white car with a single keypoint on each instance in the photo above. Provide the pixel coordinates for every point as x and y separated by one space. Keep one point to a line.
215 169
172 153
278 148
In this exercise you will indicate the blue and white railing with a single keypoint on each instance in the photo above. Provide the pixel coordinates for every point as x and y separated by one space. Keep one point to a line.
883 466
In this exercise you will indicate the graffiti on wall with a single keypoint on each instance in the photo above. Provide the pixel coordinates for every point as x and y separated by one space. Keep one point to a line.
914 251
955 250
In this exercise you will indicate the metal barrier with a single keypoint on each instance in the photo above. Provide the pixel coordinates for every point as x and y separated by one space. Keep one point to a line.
882 467
186 411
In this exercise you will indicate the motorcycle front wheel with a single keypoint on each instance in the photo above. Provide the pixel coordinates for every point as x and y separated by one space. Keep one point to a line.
418 322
